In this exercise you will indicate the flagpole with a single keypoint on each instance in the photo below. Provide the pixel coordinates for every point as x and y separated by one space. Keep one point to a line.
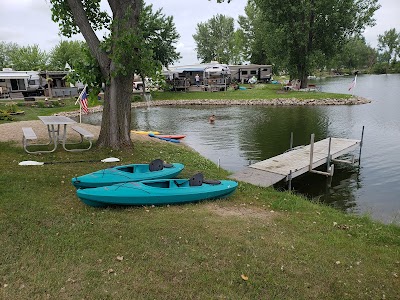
80 105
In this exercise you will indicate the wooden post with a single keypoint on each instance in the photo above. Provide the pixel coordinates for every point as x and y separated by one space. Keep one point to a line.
361 144
290 181
328 159
311 151
291 140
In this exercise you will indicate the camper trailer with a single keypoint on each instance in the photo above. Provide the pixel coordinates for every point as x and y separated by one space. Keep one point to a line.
217 77
211 74
34 83
29 83
242 73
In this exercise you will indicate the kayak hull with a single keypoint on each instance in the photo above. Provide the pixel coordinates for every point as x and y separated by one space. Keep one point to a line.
125 173
170 136
155 192
144 132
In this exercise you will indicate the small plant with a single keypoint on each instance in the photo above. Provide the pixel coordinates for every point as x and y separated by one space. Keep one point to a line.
41 104
136 98
11 107
4 115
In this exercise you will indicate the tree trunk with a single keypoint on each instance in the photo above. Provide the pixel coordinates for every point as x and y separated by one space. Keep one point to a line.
116 118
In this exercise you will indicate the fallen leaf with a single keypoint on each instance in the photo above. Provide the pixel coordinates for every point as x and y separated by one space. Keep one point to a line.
244 277
120 258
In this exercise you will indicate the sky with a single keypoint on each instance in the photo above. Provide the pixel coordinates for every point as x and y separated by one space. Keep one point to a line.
28 22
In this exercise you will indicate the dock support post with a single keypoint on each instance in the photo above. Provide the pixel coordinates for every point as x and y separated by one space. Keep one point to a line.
291 140
219 162
361 144
328 159
311 152
290 181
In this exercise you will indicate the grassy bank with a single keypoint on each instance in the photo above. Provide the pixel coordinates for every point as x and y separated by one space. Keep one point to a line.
256 244
265 91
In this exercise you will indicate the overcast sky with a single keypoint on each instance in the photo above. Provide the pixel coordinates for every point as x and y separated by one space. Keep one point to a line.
28 22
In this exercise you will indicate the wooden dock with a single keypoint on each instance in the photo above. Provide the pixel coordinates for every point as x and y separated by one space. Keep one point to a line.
298 161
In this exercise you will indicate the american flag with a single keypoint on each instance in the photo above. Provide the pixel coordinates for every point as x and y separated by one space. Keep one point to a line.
84 101
353 83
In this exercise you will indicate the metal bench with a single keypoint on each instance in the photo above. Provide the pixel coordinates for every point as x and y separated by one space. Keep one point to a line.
83 134
30 135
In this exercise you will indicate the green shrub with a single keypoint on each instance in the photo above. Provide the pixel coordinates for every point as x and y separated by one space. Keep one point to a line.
5 116
136 98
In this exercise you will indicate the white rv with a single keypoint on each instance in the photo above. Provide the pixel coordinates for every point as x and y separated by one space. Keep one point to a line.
30 83
242 73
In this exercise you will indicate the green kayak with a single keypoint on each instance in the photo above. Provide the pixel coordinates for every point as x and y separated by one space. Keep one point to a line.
157 192
157 169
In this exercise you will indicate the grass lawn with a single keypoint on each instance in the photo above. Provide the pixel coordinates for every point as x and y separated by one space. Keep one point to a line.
262 91
257 244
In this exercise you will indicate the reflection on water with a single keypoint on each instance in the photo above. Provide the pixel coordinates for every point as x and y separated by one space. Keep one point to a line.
243 135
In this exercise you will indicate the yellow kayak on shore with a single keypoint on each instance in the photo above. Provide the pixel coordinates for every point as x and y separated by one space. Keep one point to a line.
144 132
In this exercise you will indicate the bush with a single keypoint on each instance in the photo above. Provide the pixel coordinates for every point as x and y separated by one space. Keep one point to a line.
5 116
136 98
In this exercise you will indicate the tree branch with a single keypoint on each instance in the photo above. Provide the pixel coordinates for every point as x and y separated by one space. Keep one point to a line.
87 31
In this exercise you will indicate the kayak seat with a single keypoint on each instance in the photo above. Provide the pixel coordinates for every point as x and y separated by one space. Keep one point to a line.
211 181
156 165
167 165
196 180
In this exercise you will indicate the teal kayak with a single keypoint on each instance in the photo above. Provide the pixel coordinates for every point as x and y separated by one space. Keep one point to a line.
157 169
156 192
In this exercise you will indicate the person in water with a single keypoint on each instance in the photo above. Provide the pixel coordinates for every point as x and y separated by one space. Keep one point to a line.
211 119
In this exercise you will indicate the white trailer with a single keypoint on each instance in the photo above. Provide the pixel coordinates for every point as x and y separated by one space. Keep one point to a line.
242 73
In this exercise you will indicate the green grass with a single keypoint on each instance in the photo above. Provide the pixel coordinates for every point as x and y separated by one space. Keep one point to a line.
54 246
265 91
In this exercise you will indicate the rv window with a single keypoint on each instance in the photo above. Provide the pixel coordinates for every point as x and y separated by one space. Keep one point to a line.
253 72
2 80
244 72
31 82
266 70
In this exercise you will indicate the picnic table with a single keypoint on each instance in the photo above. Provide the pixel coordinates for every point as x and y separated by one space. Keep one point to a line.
57 131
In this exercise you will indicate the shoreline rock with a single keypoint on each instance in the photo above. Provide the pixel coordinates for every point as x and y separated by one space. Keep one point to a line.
269 102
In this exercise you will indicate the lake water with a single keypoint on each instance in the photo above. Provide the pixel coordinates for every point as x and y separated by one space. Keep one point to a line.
246 134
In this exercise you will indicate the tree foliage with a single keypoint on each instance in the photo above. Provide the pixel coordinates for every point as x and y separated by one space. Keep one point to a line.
355 55
257 41
217 40
389 45
66 52
5 54
28 58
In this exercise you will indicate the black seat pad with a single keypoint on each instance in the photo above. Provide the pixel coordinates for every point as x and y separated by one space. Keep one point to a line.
196 180
156 165
211 181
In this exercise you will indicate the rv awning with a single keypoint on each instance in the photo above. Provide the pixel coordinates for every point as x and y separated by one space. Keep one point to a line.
13 76
189 69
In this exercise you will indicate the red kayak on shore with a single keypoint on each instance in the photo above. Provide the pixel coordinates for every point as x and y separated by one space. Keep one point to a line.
170 136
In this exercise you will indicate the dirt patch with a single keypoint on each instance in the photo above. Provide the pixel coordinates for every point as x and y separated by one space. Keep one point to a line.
242 212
